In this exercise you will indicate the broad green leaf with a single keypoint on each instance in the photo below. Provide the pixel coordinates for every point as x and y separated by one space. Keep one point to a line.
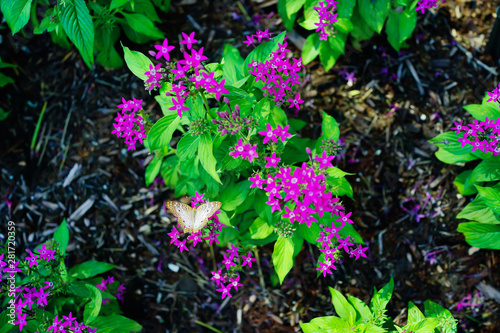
345 9
234 195
5 80
491 197
310 234
481 111
144 7
423 326
296 125
207 159
287 10
327 56
363 310
89 269
374 12
117 3
337 173
137 62
328 324
481 235
486 171
153 169
337 44
400 26
414 314
477 210
91 310
283 257
330 127
141 24
340 187
18 15
464 184
447 323
361 30
451 150
161 133
452 158
62 236
233 64
187 146
77 23
311 48
382 297
343 25
115 323
342 307
262 52
260 229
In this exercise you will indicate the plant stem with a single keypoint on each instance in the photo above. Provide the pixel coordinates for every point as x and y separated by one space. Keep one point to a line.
213 256
38 124
205 101
208 326
261 275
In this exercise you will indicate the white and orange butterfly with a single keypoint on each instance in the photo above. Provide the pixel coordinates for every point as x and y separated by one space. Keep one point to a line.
193 219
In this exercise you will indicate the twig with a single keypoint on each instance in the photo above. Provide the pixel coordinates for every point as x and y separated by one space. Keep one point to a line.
415 76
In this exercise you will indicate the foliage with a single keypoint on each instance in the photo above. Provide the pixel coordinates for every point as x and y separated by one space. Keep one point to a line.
356 316
358 20
484 211
92 26
50 290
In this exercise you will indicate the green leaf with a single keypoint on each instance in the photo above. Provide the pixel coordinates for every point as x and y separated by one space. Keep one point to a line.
330 127
374 12
233 64
400 26
117 3
144 7
328 324
361 30
447 323
92 309
170 170
414 314
340 187
423 326
477 210
337 44
115 323
491 197
310 234
187 146
137 62
260 229
287 9
89 269
362 309
337 173
345 9
382 297
234 195
463 183
262 52
141 24
343 25
326 55
62 236
481 235
481 111
161 133
342 307
77 23
207 159
5 80
153 169
486 171
451 150
296 124
18 14
283 257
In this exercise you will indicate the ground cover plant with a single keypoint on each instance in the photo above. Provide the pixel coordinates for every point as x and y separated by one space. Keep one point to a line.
172 168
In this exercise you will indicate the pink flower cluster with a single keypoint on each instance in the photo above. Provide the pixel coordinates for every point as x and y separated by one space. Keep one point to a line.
326 18
214 227
277 74
68 324
232 122
297 190
105 283
230 261
182 72
426 4
129 125
482 135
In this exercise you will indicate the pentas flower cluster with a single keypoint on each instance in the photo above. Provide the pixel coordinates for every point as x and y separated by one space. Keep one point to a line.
482 135
184 74
325 26
277 74
68 324
129 124
426 4
209 233
232 262
106 283
231 122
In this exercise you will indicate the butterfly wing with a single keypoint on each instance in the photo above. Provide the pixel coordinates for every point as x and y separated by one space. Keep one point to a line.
202 214
184 213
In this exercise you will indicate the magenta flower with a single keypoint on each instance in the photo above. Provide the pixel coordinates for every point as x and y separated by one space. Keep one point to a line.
196 237
295 102
235 282
32 259
178 105
247 260
217 277
272 161
324 160
218 89
291 214
256 181
163 50
360 251
233 250
269 134
225 290
282 132
188 40
249 40
252 153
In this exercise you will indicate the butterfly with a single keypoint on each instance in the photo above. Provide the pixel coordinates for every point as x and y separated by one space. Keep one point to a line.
193 219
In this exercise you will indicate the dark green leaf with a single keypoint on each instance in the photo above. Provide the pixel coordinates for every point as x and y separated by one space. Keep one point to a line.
141 24
92 308
89 269
207 159
374 12
234 195
153 169
18 15
62 236
116 324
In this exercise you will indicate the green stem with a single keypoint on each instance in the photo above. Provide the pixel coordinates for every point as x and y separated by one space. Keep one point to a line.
208 326
38 124
261 276
205 101
213 257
